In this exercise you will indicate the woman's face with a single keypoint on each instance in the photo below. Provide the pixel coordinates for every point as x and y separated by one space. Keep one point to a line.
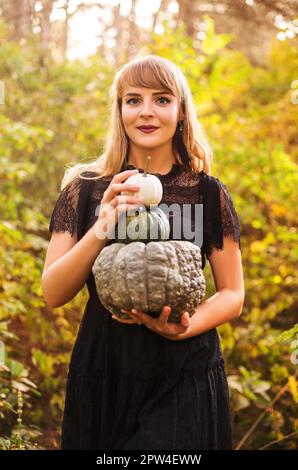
146 107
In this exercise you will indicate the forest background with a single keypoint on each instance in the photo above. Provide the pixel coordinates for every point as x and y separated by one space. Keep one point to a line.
241 61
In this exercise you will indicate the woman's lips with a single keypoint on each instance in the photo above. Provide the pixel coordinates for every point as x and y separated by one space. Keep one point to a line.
148 131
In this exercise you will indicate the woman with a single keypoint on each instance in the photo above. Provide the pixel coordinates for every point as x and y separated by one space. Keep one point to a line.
145 383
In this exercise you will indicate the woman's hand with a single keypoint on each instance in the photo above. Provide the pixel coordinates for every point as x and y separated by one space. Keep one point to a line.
160 325
113 204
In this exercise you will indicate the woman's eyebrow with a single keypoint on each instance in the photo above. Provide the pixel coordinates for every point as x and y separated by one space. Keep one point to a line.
157 93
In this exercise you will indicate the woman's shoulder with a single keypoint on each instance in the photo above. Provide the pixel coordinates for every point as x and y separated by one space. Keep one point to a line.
210 179
213 185
75 187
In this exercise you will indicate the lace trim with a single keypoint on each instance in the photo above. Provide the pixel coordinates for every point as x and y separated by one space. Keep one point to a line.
64 217
220 217
230 221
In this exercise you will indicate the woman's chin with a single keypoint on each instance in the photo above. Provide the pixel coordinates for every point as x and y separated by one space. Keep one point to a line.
148 143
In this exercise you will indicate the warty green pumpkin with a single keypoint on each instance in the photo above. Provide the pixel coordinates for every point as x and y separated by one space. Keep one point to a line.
149 276
142 225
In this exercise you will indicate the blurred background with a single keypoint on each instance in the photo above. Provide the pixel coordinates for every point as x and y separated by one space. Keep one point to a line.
57 61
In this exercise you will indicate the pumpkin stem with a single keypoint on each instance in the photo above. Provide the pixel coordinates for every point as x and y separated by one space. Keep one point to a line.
146 165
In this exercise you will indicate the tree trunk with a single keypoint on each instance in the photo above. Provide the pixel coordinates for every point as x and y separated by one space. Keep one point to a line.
20 16
118 25
133 32
45 26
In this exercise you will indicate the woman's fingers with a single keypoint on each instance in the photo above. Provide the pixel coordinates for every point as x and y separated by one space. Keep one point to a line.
124 208
185 319
114 204
165 313
123 175
171 327
128 312
161 323
118 184
119 200
124 320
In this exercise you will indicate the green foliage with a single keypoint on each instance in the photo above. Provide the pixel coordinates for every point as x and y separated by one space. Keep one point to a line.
289 334
56 115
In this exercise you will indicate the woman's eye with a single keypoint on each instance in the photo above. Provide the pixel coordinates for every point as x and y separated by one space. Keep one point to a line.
161 98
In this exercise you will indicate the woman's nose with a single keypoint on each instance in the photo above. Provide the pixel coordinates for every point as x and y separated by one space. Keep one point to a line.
146 109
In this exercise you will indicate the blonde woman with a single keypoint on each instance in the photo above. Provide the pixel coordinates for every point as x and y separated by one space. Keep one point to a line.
145 383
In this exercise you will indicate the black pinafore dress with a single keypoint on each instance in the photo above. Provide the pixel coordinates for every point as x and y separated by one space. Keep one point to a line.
127 386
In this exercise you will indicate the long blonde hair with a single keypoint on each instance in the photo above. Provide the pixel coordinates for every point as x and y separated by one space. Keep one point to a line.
191 147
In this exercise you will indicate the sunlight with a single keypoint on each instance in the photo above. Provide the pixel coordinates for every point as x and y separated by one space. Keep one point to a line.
85 27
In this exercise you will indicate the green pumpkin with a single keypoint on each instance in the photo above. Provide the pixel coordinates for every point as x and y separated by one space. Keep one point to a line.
149 276
143 225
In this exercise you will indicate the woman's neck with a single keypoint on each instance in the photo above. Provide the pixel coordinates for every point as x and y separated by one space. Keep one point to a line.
156 164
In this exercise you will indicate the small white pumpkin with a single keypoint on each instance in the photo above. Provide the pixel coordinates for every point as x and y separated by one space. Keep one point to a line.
150 187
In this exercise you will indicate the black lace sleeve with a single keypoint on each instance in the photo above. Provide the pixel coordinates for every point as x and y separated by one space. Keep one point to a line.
64 217
219 216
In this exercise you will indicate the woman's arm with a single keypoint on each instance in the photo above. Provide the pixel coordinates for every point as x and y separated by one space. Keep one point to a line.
67 265
69 262
227 302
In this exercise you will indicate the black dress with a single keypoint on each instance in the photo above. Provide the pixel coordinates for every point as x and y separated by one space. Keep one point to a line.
127 386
